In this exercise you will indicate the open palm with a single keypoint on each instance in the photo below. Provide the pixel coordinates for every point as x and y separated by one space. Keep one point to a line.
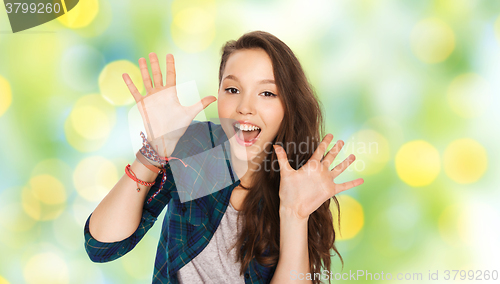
304 190
164 118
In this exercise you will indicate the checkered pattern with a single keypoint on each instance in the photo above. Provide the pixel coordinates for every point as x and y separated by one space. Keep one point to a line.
187 227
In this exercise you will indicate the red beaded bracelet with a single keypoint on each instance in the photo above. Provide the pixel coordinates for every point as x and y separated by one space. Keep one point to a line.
132 175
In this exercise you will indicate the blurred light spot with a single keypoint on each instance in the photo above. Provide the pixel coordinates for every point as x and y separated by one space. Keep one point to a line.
193 29
453 225
31 204
94 177
351 217
432 40
17 228
465 160
56 168
81 15
89 61
39 210
5 95
46 268
111 83
457 9
417 163
469 95
89 123
14 219
48 189
371 150
3 280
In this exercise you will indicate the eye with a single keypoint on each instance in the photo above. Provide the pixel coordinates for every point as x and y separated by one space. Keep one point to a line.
268 94
231 90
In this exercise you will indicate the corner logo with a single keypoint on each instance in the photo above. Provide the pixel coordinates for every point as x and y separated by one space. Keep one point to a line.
26 14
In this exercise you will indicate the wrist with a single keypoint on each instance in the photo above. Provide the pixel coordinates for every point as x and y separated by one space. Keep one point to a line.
287 213
150 164
162 147
156 164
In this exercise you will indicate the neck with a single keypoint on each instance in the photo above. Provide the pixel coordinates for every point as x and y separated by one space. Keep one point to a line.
245 169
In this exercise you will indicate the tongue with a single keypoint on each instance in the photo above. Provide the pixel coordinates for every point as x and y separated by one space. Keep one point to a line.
248 135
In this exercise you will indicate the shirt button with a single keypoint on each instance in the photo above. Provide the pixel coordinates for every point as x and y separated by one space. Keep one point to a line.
247 275
184 208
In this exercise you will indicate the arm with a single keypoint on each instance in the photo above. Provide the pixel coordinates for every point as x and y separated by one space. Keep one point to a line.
123 217
301 193
119 213
100 251
293 261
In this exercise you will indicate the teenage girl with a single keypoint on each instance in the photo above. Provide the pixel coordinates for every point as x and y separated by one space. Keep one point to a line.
273 224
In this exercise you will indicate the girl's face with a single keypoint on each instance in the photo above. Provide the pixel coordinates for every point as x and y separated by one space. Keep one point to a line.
249 99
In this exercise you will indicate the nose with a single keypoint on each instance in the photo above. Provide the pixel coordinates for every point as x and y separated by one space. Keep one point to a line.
246 105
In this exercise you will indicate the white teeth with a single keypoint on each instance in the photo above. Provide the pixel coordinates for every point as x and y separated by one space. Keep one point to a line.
246 127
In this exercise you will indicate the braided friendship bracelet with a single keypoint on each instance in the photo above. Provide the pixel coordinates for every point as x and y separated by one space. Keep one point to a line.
148 152
133 176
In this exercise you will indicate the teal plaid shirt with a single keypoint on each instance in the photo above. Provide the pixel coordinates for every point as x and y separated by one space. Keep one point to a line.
187 227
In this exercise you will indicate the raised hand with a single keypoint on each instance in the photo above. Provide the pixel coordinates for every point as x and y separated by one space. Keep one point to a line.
303 191
164 118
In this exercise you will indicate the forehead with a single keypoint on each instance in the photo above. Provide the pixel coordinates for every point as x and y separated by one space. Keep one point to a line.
249 63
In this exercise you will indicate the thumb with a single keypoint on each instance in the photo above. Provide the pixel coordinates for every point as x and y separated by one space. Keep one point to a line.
201 105
282 158
207 101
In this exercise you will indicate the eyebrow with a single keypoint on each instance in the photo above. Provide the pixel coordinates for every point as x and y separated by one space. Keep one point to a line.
265 81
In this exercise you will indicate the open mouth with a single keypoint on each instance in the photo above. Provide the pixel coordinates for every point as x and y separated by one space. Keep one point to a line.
246 133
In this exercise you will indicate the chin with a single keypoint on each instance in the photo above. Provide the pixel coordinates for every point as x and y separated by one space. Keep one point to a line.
240 152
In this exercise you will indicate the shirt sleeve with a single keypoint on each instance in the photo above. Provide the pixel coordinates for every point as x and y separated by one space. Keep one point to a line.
104 252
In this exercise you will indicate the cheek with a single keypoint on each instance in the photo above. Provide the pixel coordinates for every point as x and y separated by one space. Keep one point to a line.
274 116
223 107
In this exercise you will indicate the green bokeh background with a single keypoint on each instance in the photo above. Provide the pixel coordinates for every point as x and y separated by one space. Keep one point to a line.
393 68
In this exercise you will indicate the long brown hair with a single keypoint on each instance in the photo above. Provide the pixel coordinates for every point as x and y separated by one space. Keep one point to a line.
302 125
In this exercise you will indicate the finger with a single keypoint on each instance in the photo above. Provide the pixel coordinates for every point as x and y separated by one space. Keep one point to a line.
145 74
207 101
348 185
155 68
338 169
170 82
320 151
201 105
133 90
332 154
282 159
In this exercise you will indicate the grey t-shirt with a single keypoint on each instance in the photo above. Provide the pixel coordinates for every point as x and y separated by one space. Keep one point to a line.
216 264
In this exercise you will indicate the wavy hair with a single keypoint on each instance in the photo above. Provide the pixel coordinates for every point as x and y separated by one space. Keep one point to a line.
302 125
